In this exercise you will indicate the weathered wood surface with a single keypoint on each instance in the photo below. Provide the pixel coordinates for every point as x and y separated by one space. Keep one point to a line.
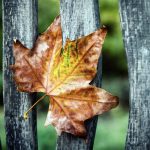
135 20
79 18
20 22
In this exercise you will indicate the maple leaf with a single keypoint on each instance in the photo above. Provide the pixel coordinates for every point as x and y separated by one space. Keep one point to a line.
64 74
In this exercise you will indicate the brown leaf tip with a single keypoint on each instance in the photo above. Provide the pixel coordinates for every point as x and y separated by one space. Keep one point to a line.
116 101
16 43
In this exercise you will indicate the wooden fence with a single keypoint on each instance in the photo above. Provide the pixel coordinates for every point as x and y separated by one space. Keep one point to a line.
79 17
135 20
20 22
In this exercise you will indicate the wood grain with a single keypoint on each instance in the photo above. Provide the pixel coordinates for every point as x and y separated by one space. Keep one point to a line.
19 22
79 18
135 21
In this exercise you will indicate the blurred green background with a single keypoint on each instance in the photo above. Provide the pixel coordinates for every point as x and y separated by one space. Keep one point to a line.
112 126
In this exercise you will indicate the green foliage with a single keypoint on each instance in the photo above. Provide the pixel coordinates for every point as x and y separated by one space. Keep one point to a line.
111 130
2 130
109 13
48 10
46 135
118 86
113 51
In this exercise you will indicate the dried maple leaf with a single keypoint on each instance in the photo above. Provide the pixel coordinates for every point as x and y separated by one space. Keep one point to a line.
64 75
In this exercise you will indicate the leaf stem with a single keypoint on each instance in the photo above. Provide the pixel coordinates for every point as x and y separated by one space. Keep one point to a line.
26 113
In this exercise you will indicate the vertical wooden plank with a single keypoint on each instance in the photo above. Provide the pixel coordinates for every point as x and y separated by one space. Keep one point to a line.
19 22
135 20
79 18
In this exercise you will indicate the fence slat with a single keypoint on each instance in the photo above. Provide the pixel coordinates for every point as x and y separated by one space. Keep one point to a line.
20 22
78 18
135 20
